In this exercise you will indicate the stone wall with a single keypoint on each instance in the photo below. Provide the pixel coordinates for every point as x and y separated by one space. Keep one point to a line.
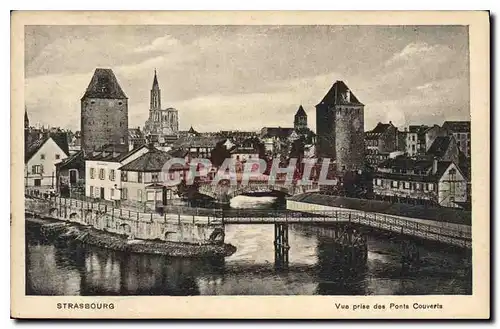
103 121
169 227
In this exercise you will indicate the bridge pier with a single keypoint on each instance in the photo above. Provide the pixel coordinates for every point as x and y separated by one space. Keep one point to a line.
281 246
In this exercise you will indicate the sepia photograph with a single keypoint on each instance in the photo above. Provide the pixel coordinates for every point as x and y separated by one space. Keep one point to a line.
258 159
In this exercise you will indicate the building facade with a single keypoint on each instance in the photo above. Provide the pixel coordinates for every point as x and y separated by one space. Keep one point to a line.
421 181
102 171
162 125
340 128
142 181
380 142
40 162
104 112
461 131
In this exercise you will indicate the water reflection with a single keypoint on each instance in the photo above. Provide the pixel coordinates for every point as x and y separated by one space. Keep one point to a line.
317 266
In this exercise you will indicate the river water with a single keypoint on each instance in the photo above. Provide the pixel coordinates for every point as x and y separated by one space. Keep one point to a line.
314 267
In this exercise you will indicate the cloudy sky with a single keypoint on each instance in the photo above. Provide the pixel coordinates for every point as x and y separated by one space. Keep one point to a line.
247 77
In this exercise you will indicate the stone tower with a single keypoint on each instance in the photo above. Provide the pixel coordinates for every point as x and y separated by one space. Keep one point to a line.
104 112
300 119
340 128
162 124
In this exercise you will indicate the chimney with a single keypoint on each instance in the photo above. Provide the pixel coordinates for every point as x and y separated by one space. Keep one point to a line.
434 166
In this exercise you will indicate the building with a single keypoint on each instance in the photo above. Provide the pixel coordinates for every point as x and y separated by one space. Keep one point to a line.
142 181
414 140
444 149
136 138
273 138
197 146
380 142
102 170
40 159
104 112
300 119
70 175
434 182
162 125
340 128
430 134
461 131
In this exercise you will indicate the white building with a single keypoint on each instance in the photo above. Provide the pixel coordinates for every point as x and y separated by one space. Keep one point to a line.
40 163
102 174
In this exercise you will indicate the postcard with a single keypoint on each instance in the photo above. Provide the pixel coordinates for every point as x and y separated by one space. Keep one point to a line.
251 165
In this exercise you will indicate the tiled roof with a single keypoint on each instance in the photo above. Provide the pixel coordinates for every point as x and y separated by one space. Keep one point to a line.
423 167
152 161
417 129
104 85
301 112
112 153
457 126
278 132
439 146
75 161
59 138
337 95
196 141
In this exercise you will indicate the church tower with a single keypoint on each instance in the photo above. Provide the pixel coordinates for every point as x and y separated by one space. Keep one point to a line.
300 119
104 112
155 99
162 125
340 128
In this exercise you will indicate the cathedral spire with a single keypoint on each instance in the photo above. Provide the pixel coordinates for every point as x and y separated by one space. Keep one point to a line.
155 101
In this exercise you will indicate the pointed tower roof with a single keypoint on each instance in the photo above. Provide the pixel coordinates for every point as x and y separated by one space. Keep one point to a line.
339 94
301 112
192 131
155 81
104 85
26 119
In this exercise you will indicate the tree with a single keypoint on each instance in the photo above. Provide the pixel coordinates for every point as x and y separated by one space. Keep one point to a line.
219 154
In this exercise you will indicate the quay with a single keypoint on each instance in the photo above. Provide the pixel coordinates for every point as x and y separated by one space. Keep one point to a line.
204 227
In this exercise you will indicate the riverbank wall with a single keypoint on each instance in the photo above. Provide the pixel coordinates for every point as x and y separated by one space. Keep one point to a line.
191 229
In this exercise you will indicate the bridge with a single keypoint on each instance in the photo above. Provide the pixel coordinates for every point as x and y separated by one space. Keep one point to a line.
224 192
346 234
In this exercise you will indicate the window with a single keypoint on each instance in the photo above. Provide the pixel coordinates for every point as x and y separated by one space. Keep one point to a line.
38 182
379 182
413 147
42 156
418 187
92 173
139 195
139 177
124 176
458 144
154 177
124 193
91 192
36 169
151 196
430 187
111 174
58 156
112 192
407 185
395 184
413 138
101 174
